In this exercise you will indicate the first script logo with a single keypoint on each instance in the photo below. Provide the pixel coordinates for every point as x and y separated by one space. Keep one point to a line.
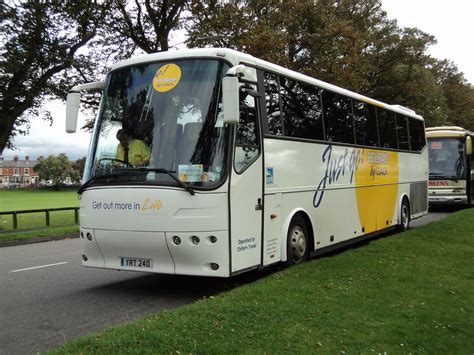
336 167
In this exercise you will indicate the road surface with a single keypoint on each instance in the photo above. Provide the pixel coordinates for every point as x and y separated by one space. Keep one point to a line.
48 298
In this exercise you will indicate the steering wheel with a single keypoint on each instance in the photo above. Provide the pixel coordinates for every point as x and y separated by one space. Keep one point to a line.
113 160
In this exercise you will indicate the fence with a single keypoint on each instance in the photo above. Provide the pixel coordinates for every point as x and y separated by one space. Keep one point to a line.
47 212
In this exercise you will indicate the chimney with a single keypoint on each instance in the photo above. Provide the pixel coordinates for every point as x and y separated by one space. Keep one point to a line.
27 158
40 158
15 158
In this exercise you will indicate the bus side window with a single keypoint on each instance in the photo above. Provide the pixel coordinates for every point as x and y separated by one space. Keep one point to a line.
387 131
272 97
365 124
301 105
417 134
337 111
402 132
247 145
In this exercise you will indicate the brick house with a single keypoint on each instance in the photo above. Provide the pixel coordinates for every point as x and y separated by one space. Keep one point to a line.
17 172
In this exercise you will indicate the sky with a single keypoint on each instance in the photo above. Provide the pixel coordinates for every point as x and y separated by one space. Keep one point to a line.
449 21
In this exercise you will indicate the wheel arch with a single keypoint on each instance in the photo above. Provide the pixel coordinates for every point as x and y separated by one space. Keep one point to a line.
286 226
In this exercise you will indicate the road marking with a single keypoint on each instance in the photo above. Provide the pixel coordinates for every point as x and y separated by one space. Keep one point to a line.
39 267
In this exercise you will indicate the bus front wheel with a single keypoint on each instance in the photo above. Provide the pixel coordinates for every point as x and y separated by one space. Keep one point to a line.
297 241
404 216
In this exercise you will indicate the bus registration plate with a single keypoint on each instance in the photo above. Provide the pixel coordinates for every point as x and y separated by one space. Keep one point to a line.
136 262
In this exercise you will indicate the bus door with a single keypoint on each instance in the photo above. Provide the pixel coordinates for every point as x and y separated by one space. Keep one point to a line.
246 189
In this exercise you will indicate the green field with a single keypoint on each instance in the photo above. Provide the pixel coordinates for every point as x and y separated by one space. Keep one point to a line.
404 293
16 200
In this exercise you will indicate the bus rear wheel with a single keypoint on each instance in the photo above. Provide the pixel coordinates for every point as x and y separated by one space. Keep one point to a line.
297 241
404 216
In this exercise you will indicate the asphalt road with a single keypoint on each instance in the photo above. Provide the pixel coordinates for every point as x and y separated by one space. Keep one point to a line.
47 297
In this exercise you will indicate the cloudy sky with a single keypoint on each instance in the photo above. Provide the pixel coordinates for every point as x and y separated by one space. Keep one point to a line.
449 21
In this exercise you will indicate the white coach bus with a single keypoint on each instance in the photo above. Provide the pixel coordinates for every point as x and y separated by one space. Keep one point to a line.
234 164
451 162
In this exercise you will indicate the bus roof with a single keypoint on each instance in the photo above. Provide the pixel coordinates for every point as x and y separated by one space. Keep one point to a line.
236 58
447 131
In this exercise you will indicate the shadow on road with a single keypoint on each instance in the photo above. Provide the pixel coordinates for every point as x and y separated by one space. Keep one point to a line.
176 286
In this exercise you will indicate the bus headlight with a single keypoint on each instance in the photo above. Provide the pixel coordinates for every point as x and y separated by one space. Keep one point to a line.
176 240
195 239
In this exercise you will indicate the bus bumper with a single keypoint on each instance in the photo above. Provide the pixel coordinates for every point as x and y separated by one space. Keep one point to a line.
447 200
177 253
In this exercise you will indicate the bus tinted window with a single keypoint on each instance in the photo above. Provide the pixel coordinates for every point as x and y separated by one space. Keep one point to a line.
301 106
337 118
417 134
402 132
365 124
273 104
387 132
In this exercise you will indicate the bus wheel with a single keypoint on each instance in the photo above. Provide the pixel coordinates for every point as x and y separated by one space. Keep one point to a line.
297 243
404 216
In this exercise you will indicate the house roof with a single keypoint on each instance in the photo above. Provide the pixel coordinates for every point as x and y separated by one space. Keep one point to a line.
18 163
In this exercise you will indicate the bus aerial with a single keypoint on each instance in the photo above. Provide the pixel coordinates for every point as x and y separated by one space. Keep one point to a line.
212 162
451 164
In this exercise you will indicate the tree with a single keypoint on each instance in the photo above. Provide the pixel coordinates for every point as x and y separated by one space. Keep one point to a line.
41 58
348 43
56 169
458 93
79 165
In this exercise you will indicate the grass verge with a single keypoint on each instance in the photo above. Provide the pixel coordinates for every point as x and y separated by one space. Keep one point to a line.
34 224
410 292
40 233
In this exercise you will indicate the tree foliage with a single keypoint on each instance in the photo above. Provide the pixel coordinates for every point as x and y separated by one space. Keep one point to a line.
348 43
56 169
40 41
79 165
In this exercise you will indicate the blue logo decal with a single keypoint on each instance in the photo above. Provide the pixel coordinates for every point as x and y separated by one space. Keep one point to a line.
269 176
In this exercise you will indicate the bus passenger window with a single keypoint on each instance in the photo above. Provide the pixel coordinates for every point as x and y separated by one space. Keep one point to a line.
247 145
337 118
387 131
365 124
417 134
402 132
272 97
301 105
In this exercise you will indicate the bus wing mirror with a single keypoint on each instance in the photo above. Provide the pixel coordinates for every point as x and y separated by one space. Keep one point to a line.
72 111
230 99
73 102
468 146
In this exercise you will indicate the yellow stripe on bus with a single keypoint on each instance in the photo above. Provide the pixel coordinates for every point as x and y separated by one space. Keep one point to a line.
377 189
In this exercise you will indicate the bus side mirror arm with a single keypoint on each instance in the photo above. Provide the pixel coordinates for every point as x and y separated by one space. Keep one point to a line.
468 145
73 102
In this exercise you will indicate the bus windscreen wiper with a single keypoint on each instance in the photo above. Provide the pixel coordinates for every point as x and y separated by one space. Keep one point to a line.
170 174
438 176
446 177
